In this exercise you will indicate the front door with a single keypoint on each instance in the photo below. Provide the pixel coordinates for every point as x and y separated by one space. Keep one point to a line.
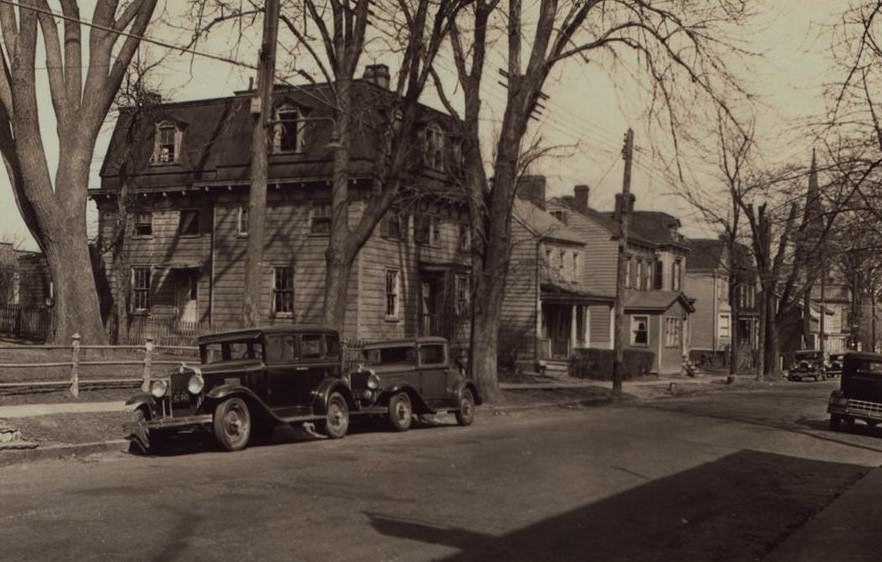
430 295
186 296
558 321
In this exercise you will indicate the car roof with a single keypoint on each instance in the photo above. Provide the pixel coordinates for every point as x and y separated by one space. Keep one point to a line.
403 342
254 333
864 355
806 351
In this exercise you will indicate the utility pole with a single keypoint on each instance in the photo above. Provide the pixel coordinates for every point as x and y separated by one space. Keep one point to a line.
624 203
261 110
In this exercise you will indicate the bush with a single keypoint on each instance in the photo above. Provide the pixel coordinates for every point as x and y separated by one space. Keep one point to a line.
597 364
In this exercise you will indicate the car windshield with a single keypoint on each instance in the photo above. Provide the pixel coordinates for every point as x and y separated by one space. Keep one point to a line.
230 350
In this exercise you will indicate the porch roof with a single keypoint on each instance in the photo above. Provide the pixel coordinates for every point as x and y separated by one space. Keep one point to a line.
655 300
555 293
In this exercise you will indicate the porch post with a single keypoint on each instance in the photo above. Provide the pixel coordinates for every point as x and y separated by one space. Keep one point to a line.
574 332
587 326
612 326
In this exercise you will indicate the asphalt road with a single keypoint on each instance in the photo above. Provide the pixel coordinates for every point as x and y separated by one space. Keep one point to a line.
715 477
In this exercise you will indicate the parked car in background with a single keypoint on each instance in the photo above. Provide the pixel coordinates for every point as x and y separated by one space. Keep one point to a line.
807 363
859 396
403 378
834 364
249 381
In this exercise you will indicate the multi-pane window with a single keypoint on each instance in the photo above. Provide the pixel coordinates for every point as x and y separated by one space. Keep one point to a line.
639 330
462 295
288 132
140 289
393 286
676 274
465 238
242 220
560 215
575 265
320 217
659 277
639 283
427 230
673 331
393 225
167 146
144 224
188 222
724 326
283 291
433 149
628 273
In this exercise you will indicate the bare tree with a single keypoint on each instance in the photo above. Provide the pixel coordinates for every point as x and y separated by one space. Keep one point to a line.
54 208
668 40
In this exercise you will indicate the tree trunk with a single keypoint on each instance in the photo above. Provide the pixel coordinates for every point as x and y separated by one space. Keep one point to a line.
774 349
761 338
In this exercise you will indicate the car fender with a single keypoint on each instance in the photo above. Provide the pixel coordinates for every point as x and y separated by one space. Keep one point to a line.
463 385
225 391
416 400
143 399
327 387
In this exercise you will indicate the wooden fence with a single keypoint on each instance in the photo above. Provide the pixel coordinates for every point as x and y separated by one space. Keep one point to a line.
165 331
76 359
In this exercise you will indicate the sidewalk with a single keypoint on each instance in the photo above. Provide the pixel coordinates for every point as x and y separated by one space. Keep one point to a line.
845 530
29 410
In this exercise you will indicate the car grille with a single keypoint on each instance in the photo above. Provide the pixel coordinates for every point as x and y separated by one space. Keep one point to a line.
358 379
182 402
873 409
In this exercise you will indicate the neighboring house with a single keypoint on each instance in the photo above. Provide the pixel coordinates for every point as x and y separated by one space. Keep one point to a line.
25 292
188 177
656 309
707 281
549 308
836 300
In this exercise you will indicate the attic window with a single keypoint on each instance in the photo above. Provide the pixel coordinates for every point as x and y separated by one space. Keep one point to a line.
560 215
288 130
433 147
167 143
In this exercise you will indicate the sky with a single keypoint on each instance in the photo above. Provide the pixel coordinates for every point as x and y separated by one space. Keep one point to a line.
586 116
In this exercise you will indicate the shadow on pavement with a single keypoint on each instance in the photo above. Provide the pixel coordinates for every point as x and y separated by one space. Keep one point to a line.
735 508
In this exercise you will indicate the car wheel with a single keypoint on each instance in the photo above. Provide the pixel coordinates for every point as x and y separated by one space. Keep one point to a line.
155 440
400 412
336 421
232 424
466 413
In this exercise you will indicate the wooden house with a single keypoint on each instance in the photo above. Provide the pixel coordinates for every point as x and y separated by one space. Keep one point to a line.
656 308
186 166
549 308
714 329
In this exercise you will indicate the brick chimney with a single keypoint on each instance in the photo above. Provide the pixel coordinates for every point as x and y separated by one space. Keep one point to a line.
581 198
377 74
532 189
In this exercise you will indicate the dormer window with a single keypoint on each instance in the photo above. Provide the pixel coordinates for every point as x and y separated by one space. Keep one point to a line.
289 129
167 143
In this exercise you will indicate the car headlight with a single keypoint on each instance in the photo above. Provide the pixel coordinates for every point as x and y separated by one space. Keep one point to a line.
196 384
373 382
158 388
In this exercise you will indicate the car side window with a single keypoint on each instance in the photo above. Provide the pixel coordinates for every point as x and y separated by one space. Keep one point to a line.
432 354
281 349
311 347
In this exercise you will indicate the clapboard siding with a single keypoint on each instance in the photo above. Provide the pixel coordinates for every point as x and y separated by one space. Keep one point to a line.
517 328
600 326
700 286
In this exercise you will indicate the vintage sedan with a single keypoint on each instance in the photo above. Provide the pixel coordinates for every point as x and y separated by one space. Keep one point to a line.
834 364
807 363
859 396
403 378
248 382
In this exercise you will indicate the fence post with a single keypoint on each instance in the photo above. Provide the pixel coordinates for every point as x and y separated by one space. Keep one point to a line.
148 361
75 366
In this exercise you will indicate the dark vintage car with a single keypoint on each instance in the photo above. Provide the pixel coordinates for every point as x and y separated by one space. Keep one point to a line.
834 364
400 379
248 382
807 363
859 396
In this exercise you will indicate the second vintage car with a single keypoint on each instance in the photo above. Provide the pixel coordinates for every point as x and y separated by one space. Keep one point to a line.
248 382
859 396
403 378
807 363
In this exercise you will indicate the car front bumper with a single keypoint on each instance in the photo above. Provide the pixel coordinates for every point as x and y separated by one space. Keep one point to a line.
857 409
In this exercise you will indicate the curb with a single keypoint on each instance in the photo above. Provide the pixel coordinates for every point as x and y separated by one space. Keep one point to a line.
61 451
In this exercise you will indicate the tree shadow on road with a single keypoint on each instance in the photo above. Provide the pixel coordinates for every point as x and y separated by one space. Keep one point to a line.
735 508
